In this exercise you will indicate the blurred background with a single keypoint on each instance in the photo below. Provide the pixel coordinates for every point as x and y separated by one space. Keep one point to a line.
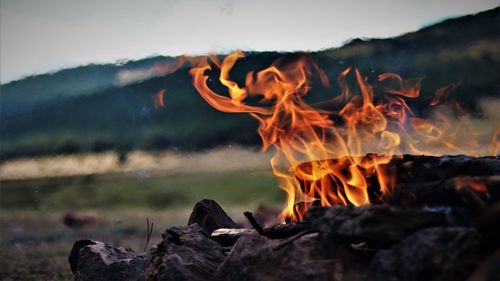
85 152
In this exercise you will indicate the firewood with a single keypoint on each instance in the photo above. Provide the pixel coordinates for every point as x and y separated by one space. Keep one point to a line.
378 225
439 253
277 231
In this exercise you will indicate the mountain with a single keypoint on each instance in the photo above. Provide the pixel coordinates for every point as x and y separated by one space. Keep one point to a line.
103 107
24 94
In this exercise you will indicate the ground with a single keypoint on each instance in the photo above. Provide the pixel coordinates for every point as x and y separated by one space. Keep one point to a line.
35 243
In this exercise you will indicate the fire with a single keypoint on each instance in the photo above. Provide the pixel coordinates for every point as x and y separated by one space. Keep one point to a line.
321 154
471 183
158 99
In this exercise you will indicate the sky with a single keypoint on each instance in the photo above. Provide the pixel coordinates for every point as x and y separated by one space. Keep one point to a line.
38 36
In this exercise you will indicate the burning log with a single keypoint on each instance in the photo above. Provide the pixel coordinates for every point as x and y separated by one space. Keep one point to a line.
331 136
438 210
279 230
445 193
423 168
451 216
420 180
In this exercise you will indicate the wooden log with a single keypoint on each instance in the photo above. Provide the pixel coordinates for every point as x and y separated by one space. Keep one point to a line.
378 225
414 169
277 231
439 253
444 192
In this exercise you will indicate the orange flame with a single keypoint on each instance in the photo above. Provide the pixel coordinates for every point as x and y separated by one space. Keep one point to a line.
473 184
306 138
158 99
495 142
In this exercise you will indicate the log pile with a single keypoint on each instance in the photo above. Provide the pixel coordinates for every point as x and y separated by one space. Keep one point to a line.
441 232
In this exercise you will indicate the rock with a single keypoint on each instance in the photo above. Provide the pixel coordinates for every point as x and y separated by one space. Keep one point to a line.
80 219
440 253
310 257
379 225
186 253
96 261
210 216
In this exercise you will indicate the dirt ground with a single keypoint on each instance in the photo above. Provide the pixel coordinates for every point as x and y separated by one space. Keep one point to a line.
35 194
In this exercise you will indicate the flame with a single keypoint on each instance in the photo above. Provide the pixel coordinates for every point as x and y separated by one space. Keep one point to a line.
442 94
495 142
316 158
462 182
158 99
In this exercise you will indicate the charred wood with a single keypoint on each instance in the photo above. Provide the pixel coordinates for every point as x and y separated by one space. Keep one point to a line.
186 253
93 260
444 192
277 231
440 253
378 225
210 216
310 257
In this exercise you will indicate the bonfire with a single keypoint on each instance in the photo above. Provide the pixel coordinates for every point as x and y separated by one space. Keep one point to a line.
374 190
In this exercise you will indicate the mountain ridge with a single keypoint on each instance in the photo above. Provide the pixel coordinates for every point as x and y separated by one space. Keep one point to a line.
122 116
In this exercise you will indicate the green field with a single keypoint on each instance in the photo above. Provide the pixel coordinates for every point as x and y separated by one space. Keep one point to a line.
31 228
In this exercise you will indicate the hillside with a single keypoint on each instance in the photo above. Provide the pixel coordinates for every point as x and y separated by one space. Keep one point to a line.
85 109
22 95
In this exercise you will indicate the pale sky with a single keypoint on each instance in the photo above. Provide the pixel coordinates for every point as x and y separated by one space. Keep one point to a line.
45 35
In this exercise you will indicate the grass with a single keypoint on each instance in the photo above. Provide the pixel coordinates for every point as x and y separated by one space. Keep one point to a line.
31 211
139 190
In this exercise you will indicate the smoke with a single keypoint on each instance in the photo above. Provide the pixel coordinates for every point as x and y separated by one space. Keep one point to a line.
462 133
129 76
